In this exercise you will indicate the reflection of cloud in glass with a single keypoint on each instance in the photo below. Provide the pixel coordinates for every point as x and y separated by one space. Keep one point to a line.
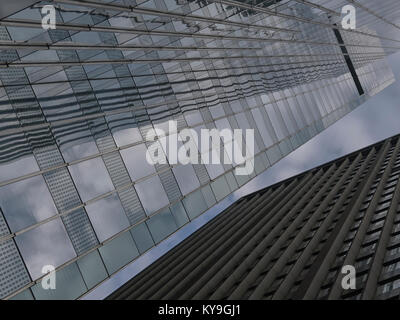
127 136
79 151
18 168
193 118
136 163
91 178
107 217
186 178
26 202
152 194
47 244
161 225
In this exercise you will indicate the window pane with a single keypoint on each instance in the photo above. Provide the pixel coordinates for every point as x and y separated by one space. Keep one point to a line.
230 179
91 178
208 196
48 244
79 151
118 252
18 168
193 118
127 136
220 188
194 204
136 163
186 178
26 202
179 213
161 225
92 269
24 295
217 111
107 217
152 194
69 285
142 237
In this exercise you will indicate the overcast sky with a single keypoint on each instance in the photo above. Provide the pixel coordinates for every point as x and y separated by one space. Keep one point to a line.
371 122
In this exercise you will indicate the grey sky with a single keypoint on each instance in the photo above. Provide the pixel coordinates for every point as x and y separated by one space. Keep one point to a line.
373 121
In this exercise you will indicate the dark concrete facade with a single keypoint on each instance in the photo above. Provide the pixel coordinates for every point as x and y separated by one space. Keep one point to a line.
291 240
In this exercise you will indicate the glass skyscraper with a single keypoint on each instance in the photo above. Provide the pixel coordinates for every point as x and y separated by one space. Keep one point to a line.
77 102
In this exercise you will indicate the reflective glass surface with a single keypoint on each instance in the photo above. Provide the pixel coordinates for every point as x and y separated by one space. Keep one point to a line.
26 202
135 161
107 217
75 116
91 178
47 244
151 194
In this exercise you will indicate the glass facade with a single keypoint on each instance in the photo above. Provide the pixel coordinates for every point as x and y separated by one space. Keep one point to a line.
78 101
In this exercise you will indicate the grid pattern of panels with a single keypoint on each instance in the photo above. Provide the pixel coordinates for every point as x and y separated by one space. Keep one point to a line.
77 104
291 240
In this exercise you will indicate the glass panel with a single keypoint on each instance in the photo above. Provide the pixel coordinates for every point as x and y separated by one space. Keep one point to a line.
208 196
127 136
222 124
277 121
69 285
259 165
161 225
195 204
231 181
18 168
92 269
179 213
24 295
214 170
80 151
26 202
91 178
193 118
241 180
274 154
186 178
136 163
107 217
142 237
47 244
220 188
152 194
217 111
258 117
118 252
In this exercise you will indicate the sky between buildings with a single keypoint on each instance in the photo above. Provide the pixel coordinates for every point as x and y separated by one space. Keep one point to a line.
375 120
